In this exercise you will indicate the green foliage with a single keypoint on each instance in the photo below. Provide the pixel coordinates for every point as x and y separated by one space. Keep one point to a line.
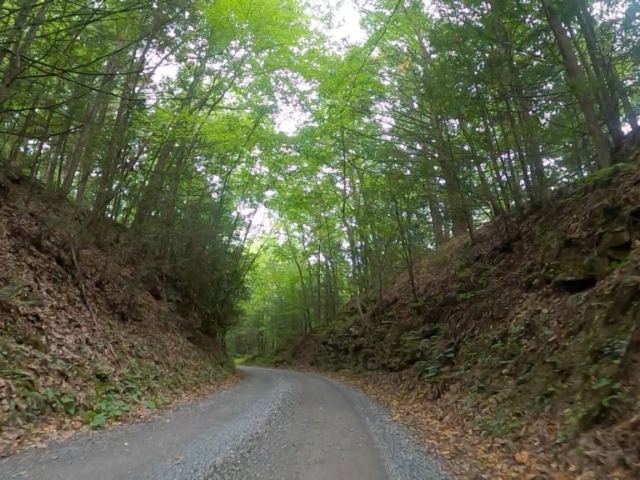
10 292
14 294
413 139
174 158
498 426
99 420
428 371
100 397
242 359
441 119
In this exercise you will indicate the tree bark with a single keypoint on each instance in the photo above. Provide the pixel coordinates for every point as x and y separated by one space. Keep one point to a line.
577 84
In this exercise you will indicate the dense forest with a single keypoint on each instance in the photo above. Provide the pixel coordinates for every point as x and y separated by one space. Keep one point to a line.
448 115
274 171
437 195
87 111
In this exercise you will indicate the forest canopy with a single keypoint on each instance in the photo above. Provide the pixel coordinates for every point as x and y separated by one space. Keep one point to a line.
276 169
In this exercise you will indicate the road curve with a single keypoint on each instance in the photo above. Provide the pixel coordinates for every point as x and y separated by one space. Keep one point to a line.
274 425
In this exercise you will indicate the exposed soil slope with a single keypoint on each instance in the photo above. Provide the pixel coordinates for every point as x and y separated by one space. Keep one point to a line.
528 336
82 339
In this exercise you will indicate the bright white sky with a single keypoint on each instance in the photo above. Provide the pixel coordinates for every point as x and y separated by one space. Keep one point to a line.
346 19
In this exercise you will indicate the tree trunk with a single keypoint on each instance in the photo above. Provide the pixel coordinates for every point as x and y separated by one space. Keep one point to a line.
435 212
496 208
577 83
605 81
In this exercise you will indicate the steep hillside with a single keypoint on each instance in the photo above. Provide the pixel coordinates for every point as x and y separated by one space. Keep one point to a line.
88 334
527 335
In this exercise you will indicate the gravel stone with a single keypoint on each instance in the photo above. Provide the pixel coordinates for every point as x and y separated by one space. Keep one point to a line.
404 457
274 425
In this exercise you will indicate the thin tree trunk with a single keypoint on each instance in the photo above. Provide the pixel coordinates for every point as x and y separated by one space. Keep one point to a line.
606 82
577 83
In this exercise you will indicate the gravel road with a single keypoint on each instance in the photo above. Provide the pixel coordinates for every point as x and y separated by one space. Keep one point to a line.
274 425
